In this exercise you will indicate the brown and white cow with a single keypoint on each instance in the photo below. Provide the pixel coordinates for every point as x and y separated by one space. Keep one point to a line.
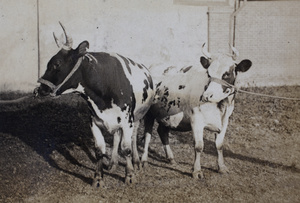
118 90
193 98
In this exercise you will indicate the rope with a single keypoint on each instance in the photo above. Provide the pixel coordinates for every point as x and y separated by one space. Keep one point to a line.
13 101
224 83
266 95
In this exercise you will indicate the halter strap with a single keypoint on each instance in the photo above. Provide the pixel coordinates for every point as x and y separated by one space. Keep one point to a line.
55 88
221 82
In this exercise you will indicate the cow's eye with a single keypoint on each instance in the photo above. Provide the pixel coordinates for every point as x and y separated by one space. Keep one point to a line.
56 65
226 75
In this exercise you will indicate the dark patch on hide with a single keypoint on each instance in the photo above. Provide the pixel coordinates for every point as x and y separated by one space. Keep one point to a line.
145 94
186 69
181 87
126 63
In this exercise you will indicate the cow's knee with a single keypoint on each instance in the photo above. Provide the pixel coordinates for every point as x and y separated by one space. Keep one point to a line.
199 146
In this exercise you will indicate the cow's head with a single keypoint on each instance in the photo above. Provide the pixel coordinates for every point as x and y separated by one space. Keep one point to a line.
222 70
59 76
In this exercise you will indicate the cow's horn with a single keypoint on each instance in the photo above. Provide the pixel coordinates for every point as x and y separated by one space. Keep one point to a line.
235 52
205 52
56 40
69 41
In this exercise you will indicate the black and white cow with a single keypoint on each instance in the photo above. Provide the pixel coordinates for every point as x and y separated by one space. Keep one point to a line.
192 98
117 89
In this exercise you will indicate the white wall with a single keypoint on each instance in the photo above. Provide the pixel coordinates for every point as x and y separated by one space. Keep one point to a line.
150 32
146 31
18 50
268 33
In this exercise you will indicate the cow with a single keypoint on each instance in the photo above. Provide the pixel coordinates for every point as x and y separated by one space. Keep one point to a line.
194 98
118 91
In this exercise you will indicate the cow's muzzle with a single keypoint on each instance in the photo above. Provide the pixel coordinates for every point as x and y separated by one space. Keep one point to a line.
46 88
212 95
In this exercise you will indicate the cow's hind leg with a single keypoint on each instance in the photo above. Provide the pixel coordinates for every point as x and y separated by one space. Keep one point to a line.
135 155
163 133
148 123
114 156
197 124
100 153
127 132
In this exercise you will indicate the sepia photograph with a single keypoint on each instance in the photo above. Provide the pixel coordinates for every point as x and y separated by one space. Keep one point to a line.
149 101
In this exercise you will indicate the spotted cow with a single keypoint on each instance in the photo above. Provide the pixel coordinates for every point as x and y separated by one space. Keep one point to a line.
193 98
117 89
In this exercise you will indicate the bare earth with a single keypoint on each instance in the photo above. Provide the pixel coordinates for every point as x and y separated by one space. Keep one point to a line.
47 155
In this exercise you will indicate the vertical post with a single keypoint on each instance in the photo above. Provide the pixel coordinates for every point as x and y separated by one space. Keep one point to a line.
38 36
232 22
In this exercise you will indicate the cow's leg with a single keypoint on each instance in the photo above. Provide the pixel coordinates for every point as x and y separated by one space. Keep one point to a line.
135 155
114 156
197 123
148 123
100 153
163 133
219 145
127 132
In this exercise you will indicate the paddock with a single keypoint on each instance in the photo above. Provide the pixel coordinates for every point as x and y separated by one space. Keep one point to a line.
46 156
46 145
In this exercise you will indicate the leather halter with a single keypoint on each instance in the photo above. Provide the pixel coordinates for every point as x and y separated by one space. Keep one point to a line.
224 83
55 88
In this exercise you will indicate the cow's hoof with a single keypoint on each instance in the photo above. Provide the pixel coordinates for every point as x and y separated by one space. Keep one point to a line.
112 167
172 162
130 179
137 167
98 183
223 170
198 175
145 165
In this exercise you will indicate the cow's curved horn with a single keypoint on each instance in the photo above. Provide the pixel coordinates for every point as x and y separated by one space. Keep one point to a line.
235 52
56 40
69 41
205 52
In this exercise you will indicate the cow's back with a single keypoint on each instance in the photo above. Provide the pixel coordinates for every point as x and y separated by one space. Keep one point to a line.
177 89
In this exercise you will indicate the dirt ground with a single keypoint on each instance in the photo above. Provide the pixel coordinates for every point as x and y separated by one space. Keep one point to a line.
47 155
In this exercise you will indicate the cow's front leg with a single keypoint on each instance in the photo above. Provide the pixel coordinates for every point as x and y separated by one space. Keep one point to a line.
197 128
99 153
126 149
135 155
114 156
219 145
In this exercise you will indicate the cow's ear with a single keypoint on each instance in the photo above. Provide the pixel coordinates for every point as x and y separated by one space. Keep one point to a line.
244 65
82 48
205 62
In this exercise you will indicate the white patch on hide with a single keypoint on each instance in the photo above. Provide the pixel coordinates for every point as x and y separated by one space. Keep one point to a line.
113 118
173 121
79 88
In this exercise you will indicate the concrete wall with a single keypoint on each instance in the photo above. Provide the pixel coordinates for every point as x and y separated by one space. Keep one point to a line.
267 33
147 31
150 32
19 50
